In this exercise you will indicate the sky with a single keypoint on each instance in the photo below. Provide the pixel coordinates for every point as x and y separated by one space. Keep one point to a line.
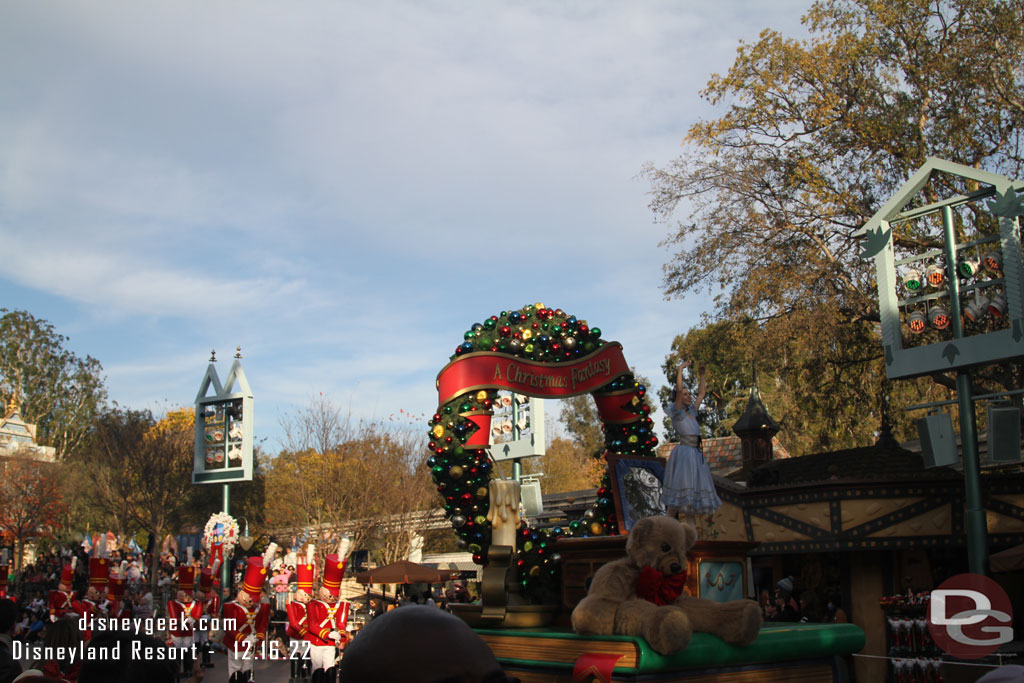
343 188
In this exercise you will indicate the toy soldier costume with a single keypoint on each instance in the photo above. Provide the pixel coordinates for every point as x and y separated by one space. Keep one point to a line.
244 636
328 617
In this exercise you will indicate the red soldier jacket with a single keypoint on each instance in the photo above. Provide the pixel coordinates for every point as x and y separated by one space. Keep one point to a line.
247 622
211 607
298 620
62 602
179 612
88 610
324 618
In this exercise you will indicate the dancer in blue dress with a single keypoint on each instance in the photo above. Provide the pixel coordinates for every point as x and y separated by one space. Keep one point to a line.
688 486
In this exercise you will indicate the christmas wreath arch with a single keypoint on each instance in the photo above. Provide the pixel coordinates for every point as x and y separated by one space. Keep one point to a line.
543 352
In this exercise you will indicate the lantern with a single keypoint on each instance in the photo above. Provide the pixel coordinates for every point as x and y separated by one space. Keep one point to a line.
912 280
938 317
968 267
917 322
997 306
935 275
977 310
993 261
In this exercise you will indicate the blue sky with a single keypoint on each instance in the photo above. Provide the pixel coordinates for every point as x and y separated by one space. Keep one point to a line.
343 188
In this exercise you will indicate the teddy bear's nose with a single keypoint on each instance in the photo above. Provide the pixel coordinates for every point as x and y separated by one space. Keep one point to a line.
675 568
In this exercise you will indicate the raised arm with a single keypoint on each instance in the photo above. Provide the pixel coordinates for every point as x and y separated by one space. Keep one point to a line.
679 384
702 384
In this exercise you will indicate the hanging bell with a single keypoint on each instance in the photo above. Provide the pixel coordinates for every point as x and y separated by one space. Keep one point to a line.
976 310
938 317
997 307
993 261
917 322
935 275
912 280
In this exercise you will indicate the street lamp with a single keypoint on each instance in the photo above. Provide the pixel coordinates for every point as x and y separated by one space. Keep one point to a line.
245 540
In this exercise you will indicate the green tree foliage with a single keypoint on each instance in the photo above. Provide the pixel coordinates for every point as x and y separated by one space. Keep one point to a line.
820 400
137 470
582 424
58 391
815 136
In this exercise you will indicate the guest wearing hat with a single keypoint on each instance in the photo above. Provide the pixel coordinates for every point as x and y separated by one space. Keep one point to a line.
250 618
62 601
184 612
785 606
328 617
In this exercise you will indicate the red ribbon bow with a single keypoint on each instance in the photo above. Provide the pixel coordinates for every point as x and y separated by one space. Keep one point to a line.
661 589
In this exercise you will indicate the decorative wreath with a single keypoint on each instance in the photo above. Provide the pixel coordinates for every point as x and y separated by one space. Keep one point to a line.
528 343
227 531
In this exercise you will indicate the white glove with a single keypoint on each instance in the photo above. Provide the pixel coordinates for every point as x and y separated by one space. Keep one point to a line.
53 617
334 635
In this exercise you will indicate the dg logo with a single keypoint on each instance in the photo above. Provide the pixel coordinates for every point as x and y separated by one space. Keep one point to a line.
970 616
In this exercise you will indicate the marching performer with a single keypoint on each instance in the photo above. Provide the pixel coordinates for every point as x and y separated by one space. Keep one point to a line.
62 601
298 618
99 573
184 612
244 638
209 608
116 582
328 617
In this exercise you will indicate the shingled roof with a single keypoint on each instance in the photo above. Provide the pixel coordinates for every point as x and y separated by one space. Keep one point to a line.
881 462
724 454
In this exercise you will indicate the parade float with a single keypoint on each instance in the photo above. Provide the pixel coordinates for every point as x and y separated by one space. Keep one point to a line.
534 578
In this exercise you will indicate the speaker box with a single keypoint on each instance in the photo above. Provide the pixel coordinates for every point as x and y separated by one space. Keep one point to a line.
1004 433
533 502
938 442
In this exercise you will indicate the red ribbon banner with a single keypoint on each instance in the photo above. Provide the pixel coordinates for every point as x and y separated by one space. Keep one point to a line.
490 370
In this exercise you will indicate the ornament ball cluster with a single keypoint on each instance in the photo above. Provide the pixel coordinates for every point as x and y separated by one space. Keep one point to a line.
462 473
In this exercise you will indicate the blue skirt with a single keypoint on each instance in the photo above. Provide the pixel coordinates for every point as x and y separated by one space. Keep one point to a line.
688 485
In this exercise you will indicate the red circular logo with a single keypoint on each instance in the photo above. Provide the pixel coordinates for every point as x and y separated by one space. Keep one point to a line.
969 616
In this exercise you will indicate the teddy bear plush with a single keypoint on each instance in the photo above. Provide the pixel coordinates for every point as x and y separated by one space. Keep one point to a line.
641 594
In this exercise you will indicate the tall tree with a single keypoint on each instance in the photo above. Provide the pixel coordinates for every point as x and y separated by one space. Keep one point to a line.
582 424
30 500
362 478
141 467
816 135
567 467
57 391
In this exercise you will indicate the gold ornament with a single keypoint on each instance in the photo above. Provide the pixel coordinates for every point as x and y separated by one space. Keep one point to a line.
527 334
539 306
481 396
438 431
455 472
596 528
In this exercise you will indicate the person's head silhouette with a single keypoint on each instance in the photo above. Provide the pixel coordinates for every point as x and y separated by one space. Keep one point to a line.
419 644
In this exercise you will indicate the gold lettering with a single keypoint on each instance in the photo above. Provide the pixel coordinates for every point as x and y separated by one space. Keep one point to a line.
497 371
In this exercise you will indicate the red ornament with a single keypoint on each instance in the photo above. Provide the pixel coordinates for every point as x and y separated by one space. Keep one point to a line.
505 330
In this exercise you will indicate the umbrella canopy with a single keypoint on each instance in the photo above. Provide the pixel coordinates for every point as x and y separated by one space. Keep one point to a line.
403 571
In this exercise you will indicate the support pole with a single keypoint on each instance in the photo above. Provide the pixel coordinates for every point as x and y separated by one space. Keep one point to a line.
225 569
975 524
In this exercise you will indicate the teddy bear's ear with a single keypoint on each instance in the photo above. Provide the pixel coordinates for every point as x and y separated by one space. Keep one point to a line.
691 533
638 534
